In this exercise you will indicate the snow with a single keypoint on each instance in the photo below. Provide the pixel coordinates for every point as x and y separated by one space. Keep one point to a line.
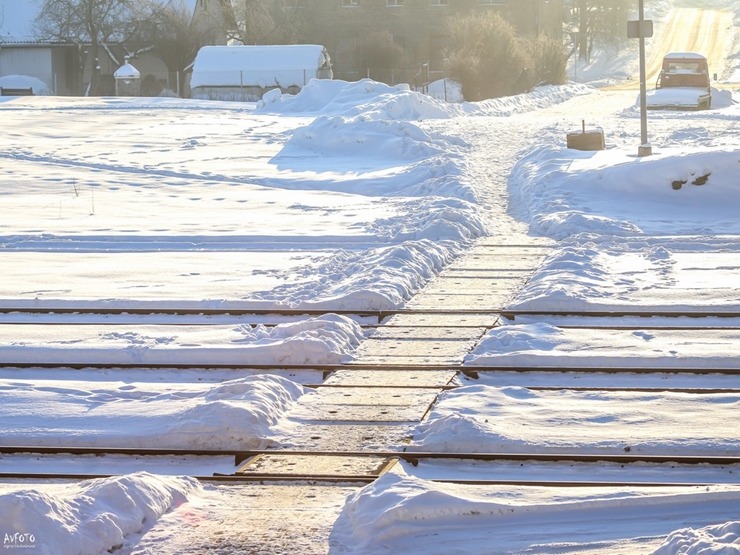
352 196
400 512
126 71
565 192
476 418
678 97
233 415
89 517
322 340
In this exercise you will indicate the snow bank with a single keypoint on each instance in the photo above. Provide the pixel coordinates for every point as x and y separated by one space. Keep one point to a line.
91 517
537 99
563 192
480 418
520 345
377 101
321 340
367 98
722 539
401 513
340 136
377 279
236 414
652 274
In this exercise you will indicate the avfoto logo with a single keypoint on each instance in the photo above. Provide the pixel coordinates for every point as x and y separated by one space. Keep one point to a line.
19 541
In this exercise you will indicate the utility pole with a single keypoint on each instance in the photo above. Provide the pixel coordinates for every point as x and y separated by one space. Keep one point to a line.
644 149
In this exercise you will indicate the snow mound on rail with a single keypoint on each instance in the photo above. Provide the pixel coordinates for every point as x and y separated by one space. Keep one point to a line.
402 513
90 517
480 417
722 539
232 415
327 339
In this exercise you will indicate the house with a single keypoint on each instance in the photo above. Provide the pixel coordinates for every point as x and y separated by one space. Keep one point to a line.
69 67
246 72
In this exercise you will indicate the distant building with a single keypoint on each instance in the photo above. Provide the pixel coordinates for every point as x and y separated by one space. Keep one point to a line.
66 68
246 72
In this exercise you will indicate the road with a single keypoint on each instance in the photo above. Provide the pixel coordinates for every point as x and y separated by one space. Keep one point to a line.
704 30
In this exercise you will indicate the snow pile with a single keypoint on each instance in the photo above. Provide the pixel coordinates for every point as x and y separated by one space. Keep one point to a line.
236 414
322 340
401 513
369 99
722 539
564 192
389 140
480 418
651 274
542 344
537 99
91 517
25 82
377 279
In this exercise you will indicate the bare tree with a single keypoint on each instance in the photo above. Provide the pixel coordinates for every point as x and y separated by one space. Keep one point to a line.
171 34
263 21
96 25
598 22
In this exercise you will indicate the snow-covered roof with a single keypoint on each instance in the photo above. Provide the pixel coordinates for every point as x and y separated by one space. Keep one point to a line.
127 71
683 56
258 65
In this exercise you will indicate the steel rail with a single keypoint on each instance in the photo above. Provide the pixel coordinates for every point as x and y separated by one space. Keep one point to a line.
471 371
511 314
412 457
244 311
611 388
361 479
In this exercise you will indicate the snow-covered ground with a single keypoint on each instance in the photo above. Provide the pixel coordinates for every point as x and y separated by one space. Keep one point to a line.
351 196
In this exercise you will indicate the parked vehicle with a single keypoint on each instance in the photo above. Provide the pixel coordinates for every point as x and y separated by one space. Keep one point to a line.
683 83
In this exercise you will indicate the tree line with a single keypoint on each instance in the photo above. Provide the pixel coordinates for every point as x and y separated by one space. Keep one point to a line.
484 53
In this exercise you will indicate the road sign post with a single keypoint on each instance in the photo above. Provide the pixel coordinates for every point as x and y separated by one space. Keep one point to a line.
644 149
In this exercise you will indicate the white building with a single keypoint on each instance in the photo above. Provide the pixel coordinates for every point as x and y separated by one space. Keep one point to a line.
246 72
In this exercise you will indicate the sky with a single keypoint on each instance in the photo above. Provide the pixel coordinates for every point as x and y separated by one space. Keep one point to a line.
354 196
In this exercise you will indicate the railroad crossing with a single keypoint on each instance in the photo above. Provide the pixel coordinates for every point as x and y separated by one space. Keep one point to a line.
360 420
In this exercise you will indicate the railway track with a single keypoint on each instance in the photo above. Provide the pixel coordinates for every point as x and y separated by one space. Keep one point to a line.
265 466
303 465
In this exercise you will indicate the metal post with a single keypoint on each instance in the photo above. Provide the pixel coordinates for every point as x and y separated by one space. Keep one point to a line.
644 149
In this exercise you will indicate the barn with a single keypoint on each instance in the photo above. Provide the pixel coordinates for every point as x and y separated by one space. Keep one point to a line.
246 72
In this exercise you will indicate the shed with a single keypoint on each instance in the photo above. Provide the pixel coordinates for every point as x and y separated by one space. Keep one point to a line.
246 72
